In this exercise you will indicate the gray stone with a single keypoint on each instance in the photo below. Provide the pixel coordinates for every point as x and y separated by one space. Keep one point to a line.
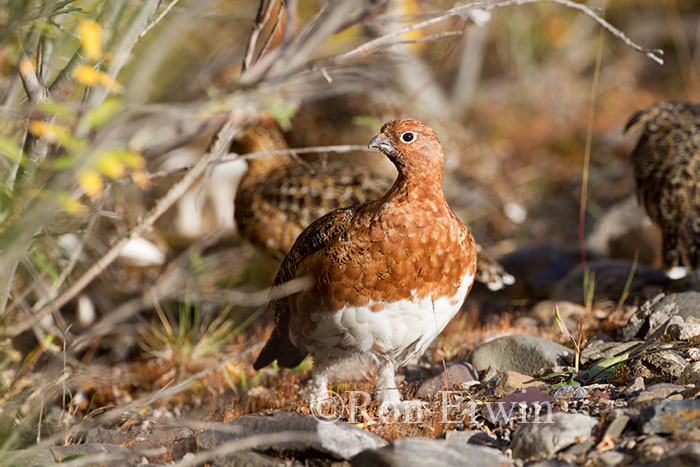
692 354
655 313
537 440
669 416
419 452
457 374
656 367
688 456
683 331
90 454
291 432
521 353
636 387
570 393
610 458
248 459
657 392
691 374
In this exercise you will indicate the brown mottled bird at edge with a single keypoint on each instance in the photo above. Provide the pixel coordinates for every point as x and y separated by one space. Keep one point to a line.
280 196
388 275
666 165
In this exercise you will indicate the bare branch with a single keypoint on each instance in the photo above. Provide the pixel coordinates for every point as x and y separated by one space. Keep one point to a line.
393 37
261 19
219 147
155 22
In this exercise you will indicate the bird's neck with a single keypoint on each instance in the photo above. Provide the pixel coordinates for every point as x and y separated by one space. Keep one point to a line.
258 167
416 187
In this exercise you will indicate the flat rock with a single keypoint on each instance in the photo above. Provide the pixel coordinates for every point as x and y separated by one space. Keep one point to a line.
656 367
249 459
656 392
688 456
90 454
457 374
513 381
670 416
419 452
297 433
655 313
683 331
691 374
521 353
538 440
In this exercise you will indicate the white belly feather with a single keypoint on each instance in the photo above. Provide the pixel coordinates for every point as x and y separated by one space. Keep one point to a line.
400 331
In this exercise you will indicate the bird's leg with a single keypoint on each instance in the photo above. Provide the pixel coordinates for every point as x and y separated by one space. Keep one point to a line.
387 392
318 387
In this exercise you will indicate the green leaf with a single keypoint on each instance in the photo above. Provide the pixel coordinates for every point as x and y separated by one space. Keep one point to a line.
607 366
72 458
57 109
10 149
281 110
102 114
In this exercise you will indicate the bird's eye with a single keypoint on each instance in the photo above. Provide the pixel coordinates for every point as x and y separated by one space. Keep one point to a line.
408 137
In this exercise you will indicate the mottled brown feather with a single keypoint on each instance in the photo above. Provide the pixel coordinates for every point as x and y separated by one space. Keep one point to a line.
280 196
407 244
666 163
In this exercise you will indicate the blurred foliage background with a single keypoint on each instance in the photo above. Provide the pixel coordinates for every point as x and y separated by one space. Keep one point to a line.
104 105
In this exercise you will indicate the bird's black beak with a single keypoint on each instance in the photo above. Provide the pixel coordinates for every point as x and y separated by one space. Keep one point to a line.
382 143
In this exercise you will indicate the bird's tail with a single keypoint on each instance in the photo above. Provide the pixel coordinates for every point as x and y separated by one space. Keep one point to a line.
279 348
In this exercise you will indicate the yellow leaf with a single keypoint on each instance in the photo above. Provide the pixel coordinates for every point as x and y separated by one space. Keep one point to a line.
48 130
108 82
86 75
110 164
133 160
72 206
91 183
141 179
90 34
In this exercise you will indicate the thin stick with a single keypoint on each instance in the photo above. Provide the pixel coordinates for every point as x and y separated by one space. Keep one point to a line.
155 22
219 147
461 10
261 18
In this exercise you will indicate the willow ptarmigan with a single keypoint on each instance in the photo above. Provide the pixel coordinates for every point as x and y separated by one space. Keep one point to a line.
280 196
388 274
666 164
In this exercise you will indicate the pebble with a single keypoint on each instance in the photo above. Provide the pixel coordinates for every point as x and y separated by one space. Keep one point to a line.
669 416
536 440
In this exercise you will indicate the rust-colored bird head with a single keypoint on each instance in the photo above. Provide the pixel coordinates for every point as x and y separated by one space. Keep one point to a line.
412 146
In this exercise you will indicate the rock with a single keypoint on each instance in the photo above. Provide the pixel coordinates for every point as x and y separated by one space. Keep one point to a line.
692 354
507 408
513 381
521 353
248 459
457 374
570 393
610 281
635 388
611 458
666 365
688 456
656 392
419 452
90 454
340 440
691 374
570 313
536 440
671 416
623 229
538 269
616 427
599 350
473 437
683 331
137 440
656 312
